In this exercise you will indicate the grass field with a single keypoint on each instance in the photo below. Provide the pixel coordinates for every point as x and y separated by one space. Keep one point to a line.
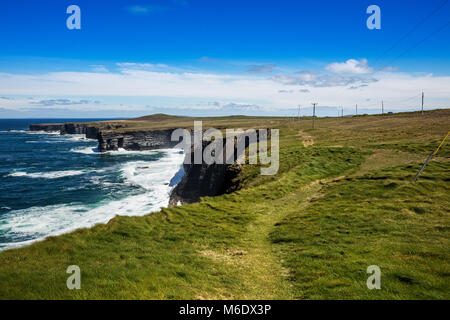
343 200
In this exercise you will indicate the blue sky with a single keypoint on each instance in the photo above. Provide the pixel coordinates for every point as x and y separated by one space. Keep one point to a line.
134 57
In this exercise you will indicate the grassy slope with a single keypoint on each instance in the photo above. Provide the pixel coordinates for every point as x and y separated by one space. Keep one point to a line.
343 200
163 121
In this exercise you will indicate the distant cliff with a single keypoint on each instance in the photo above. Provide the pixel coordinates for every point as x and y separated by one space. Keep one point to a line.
90 131
135 140
50 127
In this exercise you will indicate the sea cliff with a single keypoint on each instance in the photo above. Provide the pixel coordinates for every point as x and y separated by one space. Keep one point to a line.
135 140
199 180
89 130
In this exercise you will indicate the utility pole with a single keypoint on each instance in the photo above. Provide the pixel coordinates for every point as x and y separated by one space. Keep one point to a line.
314 112
423 96
382 107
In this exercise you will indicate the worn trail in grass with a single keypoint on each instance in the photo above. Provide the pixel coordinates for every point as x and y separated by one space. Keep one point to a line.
257 255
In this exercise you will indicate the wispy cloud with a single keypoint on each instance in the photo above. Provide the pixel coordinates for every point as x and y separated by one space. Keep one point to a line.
390 69
99 68
320 80
142 66
358 87
240 107
261 68
204 58
145 10
59 102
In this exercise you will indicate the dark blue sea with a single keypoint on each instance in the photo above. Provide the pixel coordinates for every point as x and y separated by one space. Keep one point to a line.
52 184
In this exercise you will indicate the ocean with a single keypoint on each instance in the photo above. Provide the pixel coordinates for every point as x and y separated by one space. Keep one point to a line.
52 184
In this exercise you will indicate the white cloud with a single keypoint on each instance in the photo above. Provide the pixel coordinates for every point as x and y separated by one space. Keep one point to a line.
351 66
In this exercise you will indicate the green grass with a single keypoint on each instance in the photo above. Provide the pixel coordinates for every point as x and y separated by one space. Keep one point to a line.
376 219
338 205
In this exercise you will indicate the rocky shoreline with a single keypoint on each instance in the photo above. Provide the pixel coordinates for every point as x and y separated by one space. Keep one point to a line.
199 180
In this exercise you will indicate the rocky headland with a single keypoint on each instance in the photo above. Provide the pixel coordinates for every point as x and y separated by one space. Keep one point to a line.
199 180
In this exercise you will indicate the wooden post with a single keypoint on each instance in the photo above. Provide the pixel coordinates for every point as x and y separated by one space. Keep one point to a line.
423 96
314 113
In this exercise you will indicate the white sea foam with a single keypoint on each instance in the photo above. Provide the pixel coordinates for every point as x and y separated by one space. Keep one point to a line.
153 177
62 138
120 151
77 138
85 150
32 132
65 138
44 132
45 141
47 175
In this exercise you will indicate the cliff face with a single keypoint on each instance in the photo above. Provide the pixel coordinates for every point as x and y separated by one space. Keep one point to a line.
47 127
204 179
136 140
90 131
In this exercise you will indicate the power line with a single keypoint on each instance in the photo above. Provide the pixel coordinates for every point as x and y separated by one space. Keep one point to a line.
406 99
406 51
411 48
416 45
391 101
412 30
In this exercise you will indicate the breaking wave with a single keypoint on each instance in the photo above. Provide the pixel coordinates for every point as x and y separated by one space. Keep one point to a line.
152 181
46 175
